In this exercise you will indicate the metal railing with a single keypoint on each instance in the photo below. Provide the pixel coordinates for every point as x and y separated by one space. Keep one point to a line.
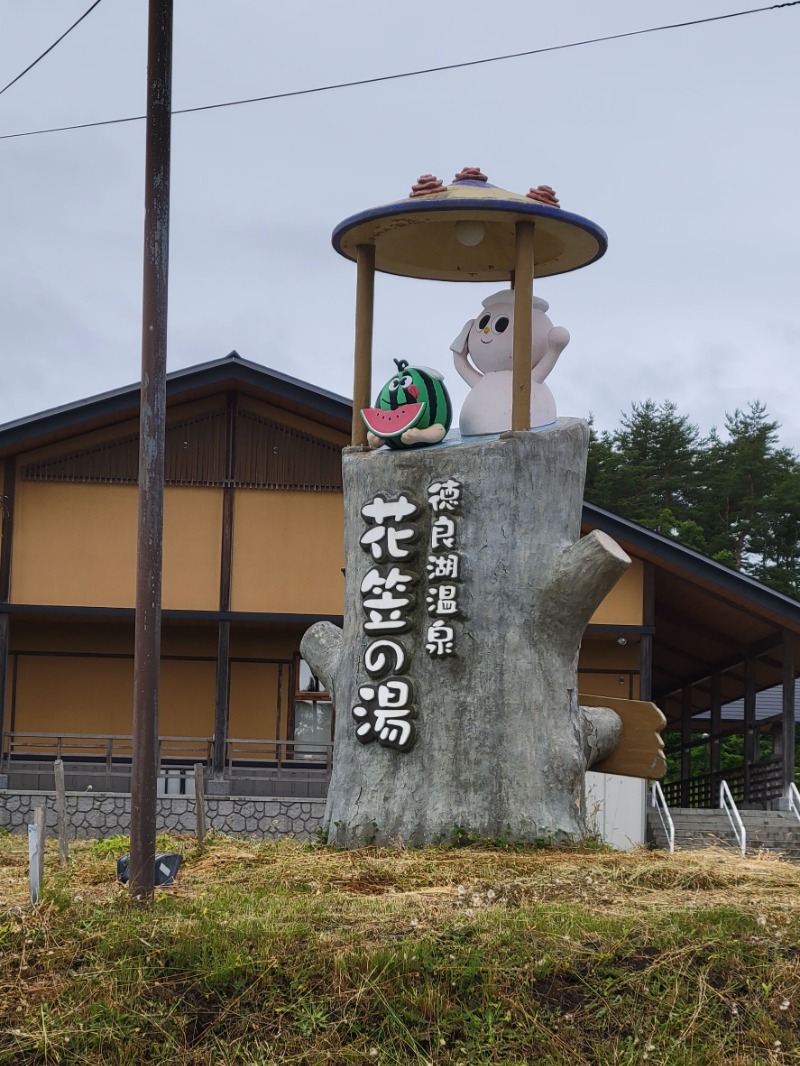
661 807
730 808
794 800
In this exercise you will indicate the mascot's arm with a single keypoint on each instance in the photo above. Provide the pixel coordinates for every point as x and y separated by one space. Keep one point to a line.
462 364
557 340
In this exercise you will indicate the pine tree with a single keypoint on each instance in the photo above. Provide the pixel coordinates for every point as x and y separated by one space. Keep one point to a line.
735 499
645 470
757 493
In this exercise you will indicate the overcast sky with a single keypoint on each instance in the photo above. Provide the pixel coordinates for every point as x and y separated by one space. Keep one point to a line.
682 145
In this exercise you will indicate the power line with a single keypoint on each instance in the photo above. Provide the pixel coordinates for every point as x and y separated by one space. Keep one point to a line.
408 73
38 59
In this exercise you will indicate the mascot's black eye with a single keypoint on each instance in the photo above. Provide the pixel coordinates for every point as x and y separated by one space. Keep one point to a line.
394 383
501 325
405 381
483 321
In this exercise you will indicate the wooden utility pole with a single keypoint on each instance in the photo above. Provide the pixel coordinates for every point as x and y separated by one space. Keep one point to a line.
152 433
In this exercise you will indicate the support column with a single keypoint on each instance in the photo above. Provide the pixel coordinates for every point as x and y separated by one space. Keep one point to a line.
646 639
523 328
686 740
9 492
788 716
362 368
4 643
223 687
750 740
716 730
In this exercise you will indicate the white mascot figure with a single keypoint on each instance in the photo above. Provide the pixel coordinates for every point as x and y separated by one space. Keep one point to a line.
488 341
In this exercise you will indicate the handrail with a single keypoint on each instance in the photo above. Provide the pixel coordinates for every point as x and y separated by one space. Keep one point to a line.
794 799
727 804
110 752
660 804
90 736
287 767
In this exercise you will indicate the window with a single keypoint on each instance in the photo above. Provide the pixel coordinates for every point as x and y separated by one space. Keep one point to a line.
313 714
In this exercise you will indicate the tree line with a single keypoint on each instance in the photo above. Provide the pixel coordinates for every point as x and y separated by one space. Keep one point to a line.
733 496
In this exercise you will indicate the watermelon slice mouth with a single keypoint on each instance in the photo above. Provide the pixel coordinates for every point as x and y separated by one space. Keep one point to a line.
392 423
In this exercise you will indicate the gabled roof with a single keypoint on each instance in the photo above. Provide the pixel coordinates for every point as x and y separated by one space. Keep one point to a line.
707 619
669 555
230 372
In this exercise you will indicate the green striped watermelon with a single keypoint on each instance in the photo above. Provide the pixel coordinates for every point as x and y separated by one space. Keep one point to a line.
414 397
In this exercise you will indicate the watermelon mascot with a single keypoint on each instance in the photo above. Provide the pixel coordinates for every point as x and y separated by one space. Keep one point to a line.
412 409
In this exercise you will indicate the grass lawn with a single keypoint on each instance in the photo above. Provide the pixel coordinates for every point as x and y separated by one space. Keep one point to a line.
287 953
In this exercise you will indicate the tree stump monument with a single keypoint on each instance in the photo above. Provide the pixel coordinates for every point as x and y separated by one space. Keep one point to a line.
468 585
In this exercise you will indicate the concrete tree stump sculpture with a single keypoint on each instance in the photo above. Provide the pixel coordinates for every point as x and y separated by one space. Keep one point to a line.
468 586
467 593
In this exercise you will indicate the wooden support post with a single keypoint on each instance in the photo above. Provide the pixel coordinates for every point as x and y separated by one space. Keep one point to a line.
750 741
646 667
686 741
716 728
6 542
33 864
788 716
223 684
61 812
646 640
200 803
278 716
362 366
523 327
39 817
5 625
222 699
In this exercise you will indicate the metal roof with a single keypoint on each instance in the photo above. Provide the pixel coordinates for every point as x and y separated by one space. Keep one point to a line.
707 620
231 370
769 705
676 557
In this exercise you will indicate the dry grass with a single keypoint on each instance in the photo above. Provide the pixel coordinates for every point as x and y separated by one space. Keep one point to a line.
282 952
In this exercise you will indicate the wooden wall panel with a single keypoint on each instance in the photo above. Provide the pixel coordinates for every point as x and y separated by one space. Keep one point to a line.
288 552
76 545
623 605
254 700
623 686
186 700
192 545
73 695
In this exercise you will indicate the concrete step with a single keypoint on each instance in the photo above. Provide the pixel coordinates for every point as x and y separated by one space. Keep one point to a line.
715 815
777 831
659 839
770 840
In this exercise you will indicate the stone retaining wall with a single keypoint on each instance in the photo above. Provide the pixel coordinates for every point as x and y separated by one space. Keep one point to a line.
106 814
